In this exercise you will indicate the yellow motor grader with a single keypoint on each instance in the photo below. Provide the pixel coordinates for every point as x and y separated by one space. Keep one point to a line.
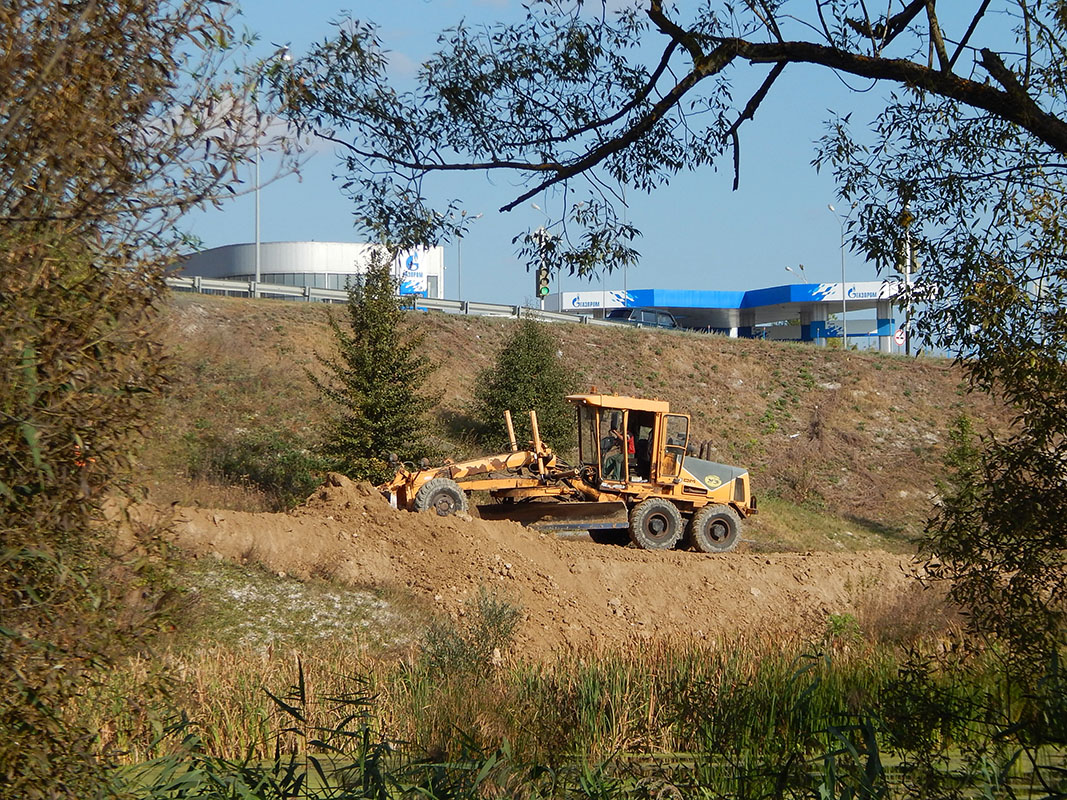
633 472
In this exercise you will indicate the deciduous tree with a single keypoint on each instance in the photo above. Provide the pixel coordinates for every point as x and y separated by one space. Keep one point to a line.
115 118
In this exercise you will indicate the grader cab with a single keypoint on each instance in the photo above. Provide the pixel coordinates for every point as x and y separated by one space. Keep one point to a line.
633 472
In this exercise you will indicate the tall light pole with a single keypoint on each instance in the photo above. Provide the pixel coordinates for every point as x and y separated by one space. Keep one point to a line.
284 57
257 213
459 262
844 324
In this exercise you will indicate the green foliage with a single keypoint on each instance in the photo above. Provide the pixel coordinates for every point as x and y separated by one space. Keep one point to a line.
650 723
376 382
274 461
529 374
487 631
975 196
843 628
92 182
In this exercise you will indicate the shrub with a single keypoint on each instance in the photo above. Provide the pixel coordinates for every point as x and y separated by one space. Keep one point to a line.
487 631
529 374
117 118
274 461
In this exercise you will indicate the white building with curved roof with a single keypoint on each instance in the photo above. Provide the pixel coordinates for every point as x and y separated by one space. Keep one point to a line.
320 265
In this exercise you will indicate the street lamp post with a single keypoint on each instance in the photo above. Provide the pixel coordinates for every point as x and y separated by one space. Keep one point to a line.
286 58
257 215
844 323
459 262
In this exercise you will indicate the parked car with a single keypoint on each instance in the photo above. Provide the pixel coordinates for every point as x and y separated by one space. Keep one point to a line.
643 317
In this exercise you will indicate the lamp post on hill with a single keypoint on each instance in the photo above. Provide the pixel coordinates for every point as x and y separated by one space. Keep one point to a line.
844 324
459 262
286 58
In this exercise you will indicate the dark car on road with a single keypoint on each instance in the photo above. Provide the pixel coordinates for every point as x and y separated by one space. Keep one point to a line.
643 317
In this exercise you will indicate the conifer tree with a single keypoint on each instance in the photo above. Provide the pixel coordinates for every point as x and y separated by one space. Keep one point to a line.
528 374
376 381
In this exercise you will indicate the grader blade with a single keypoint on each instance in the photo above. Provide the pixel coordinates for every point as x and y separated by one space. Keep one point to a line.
559 516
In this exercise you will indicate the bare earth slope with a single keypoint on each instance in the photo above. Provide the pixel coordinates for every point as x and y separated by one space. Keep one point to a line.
573 594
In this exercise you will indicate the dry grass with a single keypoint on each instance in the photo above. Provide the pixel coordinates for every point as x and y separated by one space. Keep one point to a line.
647 699
858 435
896 619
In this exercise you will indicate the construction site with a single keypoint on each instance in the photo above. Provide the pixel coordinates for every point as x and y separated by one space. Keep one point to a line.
842 450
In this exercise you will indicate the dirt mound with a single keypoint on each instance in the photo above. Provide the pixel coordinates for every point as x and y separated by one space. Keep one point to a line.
572 593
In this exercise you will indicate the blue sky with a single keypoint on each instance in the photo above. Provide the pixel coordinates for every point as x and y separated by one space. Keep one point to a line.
697 233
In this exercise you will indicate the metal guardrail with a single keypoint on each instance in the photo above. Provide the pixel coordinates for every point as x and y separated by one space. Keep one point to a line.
310 294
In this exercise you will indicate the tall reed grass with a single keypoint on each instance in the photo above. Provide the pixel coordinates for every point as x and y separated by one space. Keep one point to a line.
644 700
750 718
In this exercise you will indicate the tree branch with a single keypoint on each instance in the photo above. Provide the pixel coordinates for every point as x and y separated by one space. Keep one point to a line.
970 32
673 30
892 27
936 38
708 65
749 113
1013 105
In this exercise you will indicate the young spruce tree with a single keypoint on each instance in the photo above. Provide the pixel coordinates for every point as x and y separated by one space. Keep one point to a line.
376 380
528 374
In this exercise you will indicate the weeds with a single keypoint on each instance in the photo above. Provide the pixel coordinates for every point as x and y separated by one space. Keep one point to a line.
487 631
275 462
650 723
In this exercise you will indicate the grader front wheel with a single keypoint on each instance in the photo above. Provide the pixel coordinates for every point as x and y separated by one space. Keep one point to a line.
441 495
715 529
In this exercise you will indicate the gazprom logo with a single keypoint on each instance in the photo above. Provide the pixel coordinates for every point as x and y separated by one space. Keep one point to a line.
578 302
412 263
861 295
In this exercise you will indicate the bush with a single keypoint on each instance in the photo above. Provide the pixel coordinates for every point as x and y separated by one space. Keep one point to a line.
487 631
274 461
529 373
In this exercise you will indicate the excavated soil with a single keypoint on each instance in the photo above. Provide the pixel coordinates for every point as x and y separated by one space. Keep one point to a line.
573 594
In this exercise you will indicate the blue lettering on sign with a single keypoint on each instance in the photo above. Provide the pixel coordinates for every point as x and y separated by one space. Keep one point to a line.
861 295
578 302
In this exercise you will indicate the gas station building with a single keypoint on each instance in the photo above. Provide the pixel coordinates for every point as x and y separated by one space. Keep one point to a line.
795 312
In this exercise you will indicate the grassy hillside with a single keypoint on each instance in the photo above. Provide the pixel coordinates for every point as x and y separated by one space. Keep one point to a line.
845 448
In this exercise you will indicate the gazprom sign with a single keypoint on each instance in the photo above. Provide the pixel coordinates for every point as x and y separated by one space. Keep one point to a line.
576 301
864 290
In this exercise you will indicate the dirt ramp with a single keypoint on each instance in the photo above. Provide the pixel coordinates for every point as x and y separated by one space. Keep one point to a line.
573 593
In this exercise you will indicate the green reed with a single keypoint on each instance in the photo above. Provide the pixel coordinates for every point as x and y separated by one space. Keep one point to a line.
743 719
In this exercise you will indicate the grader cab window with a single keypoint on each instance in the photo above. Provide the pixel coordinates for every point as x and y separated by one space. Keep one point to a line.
612 445
676 431
588 437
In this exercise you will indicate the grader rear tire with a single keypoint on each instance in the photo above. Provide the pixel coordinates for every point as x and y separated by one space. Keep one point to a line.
715 529
441 495
655 524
